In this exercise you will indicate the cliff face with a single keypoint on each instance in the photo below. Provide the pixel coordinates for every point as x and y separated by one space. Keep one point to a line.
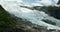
50 10
54 11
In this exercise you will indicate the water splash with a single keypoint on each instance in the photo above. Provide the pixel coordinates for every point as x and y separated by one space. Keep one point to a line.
34 16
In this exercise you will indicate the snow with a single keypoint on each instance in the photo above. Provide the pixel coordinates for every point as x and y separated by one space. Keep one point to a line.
34 16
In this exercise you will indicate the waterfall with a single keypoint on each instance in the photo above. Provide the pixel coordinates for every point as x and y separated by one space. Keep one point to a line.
34 16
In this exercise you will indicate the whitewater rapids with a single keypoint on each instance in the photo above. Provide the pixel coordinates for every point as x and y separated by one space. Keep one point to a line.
34 16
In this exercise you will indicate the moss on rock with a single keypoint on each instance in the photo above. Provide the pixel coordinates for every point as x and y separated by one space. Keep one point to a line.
5 18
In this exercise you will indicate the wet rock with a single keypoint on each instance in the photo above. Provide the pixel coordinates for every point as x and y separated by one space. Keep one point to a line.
50 10
48 21
58 2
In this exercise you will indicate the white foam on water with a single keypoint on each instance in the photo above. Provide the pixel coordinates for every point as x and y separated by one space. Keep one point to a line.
34 16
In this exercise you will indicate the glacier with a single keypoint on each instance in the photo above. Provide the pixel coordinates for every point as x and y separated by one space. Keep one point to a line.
34 16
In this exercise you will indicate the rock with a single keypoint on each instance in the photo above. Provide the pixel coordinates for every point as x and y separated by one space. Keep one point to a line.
48 21
50 10
58 2
5 19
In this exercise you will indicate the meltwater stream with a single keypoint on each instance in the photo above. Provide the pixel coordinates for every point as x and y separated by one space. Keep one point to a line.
34 16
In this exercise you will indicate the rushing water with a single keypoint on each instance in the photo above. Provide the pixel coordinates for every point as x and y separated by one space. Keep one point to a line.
34 16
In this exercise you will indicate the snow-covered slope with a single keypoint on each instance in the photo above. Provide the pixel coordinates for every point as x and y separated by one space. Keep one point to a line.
34 16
